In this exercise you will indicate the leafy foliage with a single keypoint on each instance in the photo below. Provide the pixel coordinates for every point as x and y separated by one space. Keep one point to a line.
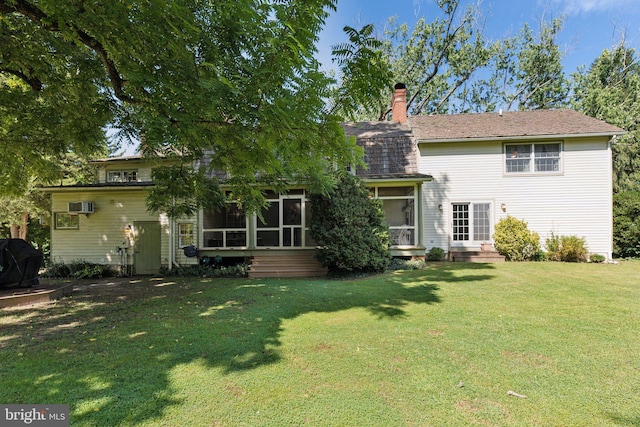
239 270
435 59
610 90
566 248
235 79
435 254
180 191
514 241
626 224
361 56
349 228
526 72
406 264
77 269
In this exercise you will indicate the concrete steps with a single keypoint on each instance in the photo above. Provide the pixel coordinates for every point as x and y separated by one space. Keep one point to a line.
475 256
274 264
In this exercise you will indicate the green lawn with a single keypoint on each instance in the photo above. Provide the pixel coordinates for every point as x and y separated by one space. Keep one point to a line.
440 347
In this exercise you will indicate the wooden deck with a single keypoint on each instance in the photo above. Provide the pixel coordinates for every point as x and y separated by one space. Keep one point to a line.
273 264
475 256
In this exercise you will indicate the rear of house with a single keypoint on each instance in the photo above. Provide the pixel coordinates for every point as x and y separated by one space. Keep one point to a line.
444 181
549 168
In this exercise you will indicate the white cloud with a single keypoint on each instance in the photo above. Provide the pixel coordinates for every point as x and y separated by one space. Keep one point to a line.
577 6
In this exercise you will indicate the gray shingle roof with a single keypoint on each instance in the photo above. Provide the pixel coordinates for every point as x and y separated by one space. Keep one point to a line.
515 124
391 148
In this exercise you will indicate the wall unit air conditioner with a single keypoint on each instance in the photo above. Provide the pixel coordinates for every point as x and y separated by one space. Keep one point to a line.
81 207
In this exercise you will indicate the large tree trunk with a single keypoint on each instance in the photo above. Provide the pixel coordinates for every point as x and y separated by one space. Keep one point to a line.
19 231
24 226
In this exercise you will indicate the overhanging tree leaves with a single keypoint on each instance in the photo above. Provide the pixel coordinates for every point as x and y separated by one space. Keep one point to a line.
233 78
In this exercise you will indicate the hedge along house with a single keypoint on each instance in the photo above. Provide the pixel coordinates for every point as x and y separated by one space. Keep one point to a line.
444 182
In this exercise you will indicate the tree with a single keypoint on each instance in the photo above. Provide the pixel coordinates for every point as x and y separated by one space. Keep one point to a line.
609 90
349 229
435 59
361 56
235 79
626 224
526 73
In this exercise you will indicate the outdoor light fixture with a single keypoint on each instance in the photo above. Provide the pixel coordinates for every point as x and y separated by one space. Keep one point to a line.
503 207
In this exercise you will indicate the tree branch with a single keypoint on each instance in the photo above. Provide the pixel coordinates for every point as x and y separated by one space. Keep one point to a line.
34 82
41 19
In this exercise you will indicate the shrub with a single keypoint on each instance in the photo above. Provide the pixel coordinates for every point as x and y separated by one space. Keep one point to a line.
77 269
406 264
626 226
566 248
514 241
435 254
200 270
349 228
597 258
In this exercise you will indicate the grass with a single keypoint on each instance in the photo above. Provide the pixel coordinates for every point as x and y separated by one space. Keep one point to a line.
441 347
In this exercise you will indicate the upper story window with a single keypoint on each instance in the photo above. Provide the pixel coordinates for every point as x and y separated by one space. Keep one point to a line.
129 175
533 158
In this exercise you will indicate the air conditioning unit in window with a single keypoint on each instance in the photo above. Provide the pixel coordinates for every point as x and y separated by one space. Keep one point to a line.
80 207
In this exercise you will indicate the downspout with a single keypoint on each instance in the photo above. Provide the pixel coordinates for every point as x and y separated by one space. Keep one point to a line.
171 243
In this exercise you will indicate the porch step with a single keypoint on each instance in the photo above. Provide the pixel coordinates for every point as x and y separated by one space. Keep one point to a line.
275 264
475 256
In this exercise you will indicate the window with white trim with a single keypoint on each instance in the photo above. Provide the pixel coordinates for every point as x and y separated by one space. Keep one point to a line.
533 158
185 235
129 175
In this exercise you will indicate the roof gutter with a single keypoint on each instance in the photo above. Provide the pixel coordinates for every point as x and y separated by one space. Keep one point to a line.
368 180
520 137
69 188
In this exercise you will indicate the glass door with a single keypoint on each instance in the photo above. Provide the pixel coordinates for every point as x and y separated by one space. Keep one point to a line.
471 223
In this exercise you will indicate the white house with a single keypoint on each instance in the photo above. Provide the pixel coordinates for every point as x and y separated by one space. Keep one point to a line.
444 181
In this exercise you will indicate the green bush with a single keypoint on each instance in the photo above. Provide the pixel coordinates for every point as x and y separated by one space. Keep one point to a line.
513 240
597 258
198 270
349 228
77 269
435 254
406 264
566 248
626 224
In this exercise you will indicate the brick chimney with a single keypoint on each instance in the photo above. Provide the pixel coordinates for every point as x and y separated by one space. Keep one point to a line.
399 103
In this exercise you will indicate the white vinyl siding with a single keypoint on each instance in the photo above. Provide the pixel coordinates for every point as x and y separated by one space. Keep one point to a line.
574 202
99 234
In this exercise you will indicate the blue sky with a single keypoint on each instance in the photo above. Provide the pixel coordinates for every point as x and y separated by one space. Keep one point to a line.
590 26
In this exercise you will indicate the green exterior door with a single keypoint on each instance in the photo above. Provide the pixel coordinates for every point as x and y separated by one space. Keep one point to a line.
147 247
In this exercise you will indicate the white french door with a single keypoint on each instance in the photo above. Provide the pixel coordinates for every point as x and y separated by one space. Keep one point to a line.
470 223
